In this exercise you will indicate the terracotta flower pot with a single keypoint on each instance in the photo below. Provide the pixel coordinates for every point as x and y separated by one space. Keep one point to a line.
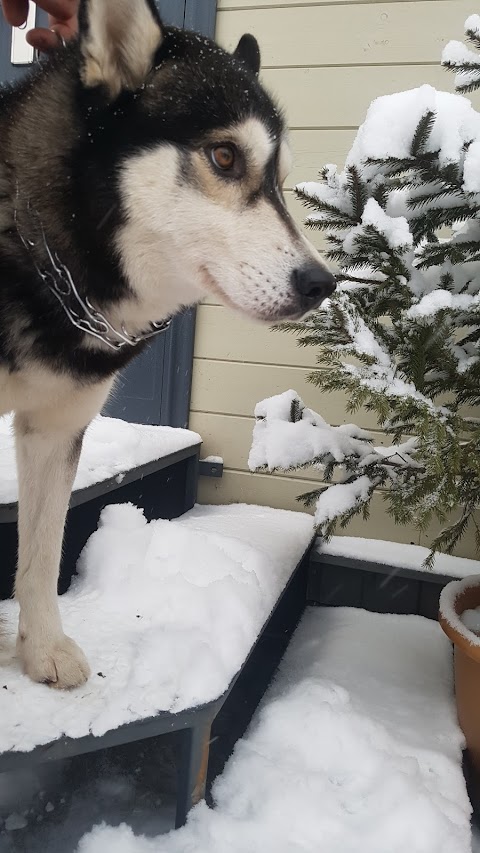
457 597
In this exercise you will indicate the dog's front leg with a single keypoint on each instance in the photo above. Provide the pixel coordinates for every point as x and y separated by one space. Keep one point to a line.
46 464
48 449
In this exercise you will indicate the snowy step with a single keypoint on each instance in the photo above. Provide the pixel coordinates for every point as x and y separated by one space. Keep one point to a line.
154 467
381 576
167 613
112 450
355 749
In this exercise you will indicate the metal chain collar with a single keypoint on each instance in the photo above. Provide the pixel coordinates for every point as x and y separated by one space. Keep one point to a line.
81 313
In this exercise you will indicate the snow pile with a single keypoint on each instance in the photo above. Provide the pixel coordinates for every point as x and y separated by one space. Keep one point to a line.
356 748
110 448
397 555
279 442
166 613
391 122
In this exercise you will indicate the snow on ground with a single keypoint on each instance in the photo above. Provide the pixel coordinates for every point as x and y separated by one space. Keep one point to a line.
166 613
355 748
397 555
110 448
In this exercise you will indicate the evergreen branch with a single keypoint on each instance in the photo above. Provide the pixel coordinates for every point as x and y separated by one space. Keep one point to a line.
357 191
419 201
422 134
467 88
448 538
473 37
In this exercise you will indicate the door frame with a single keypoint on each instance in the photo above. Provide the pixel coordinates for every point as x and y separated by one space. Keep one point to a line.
199 15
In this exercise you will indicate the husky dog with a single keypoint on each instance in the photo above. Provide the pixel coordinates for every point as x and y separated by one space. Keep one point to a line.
140 169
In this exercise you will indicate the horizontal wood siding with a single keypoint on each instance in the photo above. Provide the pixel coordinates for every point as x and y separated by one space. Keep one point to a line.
237 5
324 62
355 34
339 97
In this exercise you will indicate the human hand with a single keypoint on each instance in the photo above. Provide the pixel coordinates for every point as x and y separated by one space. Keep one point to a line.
62 17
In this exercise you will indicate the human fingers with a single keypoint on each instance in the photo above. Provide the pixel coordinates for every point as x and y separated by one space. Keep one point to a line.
60 10
15 11
45 40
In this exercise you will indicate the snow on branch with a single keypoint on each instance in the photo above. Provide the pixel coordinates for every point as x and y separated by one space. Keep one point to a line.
341 499
288 435
459 58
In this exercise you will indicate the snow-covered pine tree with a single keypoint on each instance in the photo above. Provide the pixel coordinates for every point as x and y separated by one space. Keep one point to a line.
402 333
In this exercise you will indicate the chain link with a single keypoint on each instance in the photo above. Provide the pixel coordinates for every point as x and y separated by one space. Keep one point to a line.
81 313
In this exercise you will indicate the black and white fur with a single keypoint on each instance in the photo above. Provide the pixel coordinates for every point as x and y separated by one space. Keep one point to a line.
106 165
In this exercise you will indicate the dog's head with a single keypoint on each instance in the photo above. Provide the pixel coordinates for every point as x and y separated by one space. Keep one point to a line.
200 153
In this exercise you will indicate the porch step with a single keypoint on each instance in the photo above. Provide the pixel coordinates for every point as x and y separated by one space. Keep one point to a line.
154 467
381 577
169 614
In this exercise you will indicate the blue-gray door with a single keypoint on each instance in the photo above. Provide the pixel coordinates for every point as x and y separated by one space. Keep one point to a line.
154 388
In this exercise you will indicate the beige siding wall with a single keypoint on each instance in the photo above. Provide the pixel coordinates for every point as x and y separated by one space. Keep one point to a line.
325 62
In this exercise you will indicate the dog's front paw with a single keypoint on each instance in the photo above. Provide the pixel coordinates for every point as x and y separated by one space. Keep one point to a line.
59 662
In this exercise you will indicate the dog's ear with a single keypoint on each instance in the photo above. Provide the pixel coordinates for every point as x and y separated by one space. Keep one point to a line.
118 40
248 52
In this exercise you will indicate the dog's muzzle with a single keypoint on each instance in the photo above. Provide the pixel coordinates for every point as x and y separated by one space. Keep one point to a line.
312 283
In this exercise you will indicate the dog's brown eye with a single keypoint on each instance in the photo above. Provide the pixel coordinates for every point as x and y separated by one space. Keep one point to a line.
223 157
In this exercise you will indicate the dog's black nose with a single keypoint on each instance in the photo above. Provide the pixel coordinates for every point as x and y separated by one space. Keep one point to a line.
313 283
